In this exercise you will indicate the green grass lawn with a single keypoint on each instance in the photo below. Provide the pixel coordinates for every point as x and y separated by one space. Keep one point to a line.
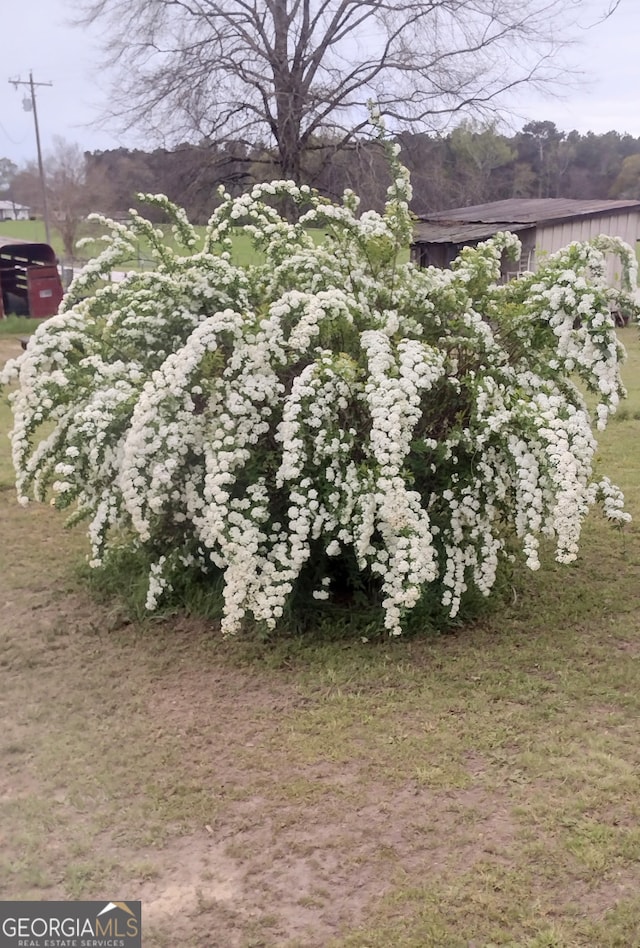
34 231
30 230
243 249
480 788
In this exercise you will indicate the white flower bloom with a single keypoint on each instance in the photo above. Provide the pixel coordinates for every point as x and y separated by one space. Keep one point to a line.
332 402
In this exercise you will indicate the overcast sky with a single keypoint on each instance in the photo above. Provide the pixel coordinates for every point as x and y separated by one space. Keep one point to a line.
67 57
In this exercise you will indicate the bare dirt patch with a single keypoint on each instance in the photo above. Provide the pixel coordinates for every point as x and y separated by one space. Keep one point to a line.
10 348
312 876
278 852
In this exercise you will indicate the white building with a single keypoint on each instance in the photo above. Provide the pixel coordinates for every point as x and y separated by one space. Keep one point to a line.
10 211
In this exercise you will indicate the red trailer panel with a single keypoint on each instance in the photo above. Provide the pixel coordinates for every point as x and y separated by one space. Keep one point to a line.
30 284
44 290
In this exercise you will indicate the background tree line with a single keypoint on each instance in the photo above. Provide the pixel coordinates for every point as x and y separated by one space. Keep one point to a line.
473 163
282 88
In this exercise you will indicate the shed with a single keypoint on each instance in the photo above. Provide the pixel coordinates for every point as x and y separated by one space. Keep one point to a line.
544 225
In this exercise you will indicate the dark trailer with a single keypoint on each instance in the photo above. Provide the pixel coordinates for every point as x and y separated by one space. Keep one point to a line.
30 284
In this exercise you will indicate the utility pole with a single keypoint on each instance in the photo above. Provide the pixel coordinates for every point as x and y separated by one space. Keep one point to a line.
32 107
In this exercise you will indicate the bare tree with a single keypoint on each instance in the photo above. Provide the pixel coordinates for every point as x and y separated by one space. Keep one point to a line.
286 72
8 171
68 195
71 195
26 188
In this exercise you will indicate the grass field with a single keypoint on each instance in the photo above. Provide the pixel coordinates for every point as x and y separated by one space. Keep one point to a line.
467 790
34 231
243 251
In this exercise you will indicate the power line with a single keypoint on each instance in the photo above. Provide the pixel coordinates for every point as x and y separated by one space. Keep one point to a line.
32 86
14 141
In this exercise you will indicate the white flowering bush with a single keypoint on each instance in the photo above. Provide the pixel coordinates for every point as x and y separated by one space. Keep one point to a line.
327 412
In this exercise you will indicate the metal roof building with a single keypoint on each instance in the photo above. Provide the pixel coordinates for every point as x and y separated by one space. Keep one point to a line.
542 224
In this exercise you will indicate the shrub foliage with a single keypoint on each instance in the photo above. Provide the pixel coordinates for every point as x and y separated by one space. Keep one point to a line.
330 409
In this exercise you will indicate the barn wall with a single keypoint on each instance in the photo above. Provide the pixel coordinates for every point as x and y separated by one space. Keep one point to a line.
441 255
551 237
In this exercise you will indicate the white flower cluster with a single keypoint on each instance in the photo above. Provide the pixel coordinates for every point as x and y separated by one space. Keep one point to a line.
271 421
612 501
